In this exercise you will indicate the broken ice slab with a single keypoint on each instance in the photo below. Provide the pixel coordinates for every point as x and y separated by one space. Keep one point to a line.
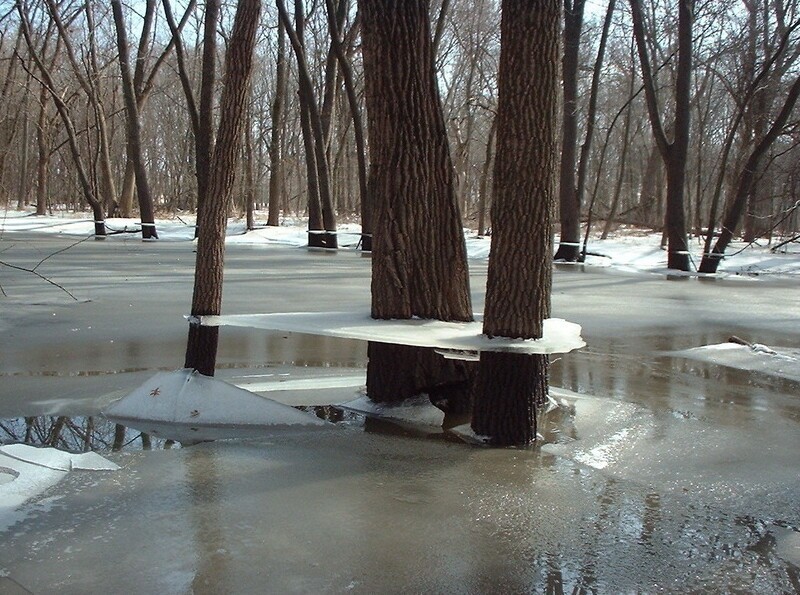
559 336
58 460
187 406
415 411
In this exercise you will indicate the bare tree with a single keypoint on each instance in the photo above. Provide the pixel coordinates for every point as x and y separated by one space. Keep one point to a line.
201 348
675 152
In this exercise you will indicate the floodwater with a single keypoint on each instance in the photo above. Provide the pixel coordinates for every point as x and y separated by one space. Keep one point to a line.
658 473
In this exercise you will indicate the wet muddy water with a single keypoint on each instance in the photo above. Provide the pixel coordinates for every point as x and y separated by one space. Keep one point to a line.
658 473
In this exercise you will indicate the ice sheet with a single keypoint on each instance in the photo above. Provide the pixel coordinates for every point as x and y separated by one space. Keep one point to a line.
560 336
414 411
783 362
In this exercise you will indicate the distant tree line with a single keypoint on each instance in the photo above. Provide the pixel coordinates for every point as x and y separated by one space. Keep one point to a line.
678 116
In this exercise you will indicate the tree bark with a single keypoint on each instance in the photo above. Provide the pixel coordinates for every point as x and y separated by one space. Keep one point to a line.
509 386
202 343
419 256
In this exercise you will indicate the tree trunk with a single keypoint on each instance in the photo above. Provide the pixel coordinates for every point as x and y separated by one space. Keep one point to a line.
746 182
134 144
201 348
419 256
358 126
675 153
569 246
276 183
509 386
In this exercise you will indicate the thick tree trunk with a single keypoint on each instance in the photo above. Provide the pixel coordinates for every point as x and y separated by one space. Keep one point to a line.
207 296
418 252
509 386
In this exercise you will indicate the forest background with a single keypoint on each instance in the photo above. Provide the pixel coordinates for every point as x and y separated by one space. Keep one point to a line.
66 143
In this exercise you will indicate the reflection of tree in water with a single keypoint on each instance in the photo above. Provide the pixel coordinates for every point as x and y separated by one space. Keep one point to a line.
76 434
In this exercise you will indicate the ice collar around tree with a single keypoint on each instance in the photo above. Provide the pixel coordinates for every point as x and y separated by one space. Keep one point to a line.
456 338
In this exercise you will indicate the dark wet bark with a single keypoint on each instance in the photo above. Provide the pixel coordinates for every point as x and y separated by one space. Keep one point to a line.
509 386
419 257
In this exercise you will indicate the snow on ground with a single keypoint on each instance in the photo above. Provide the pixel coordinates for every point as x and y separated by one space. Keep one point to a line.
627 249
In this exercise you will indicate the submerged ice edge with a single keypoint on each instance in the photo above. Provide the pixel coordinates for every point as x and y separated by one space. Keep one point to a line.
559 336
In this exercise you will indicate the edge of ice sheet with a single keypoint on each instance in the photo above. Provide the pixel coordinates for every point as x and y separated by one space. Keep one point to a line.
782 362
180 403
560 336
414 411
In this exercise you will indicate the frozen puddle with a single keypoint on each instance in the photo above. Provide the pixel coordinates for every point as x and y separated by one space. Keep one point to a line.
189 407
783 362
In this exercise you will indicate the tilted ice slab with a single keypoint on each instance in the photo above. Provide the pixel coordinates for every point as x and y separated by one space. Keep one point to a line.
415 411
187 406
28 471
560 336
783 362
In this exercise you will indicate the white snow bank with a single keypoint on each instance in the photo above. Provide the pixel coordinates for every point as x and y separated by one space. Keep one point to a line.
187 406
783 362
414 411
28 471
560 336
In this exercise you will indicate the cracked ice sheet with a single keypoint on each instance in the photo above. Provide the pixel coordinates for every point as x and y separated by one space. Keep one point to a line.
783 362
560 336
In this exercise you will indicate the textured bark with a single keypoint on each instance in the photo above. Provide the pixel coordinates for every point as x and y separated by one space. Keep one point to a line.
207 297
519 278
419 257
569 248
418 252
